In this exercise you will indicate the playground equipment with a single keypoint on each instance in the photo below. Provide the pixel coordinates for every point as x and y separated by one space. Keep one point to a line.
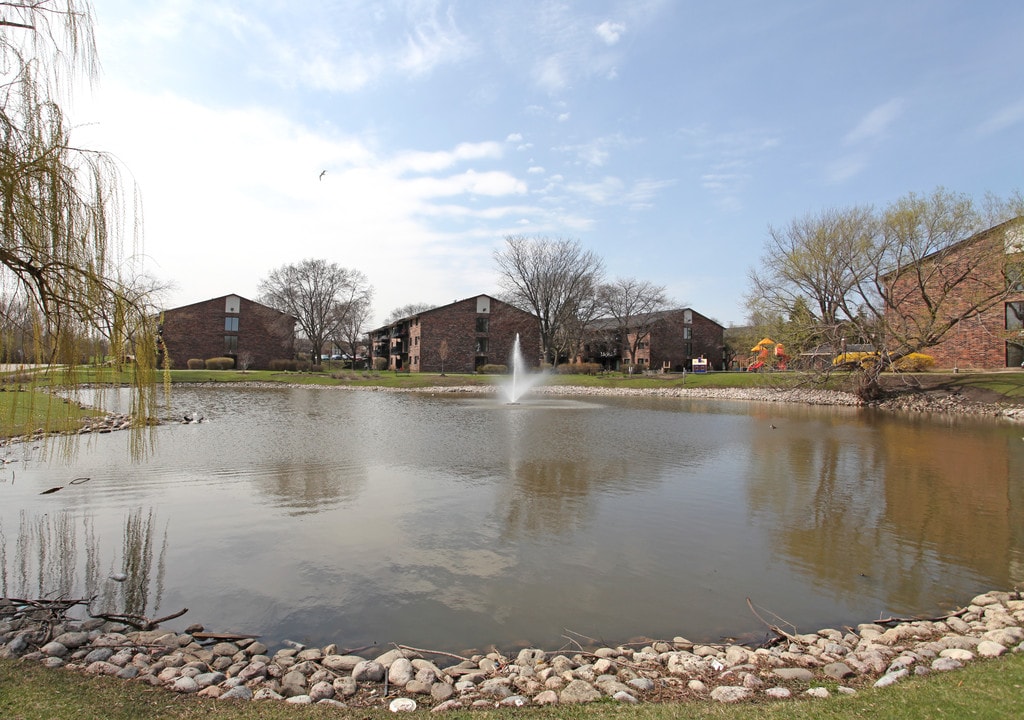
768 354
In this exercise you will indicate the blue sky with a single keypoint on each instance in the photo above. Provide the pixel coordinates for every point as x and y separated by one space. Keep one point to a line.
664 136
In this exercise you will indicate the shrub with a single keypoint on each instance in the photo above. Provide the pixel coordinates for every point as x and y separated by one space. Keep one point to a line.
579 368
492 369
915 362
380 363
316 368
196 363
864 359
220 363
302 365
283 365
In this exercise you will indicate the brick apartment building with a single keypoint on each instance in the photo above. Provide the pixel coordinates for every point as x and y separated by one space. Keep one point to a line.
228 326
994 261
476 331
672 340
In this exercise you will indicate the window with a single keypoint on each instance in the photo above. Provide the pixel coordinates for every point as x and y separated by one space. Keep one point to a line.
481 345
230 344
482 324
1015 316
231 324
687 333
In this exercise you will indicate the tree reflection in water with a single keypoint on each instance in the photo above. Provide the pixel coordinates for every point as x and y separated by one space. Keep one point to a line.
45 562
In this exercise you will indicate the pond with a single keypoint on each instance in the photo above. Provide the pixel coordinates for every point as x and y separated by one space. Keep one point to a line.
454 522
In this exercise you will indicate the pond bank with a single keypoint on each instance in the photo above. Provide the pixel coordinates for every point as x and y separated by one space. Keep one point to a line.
787 665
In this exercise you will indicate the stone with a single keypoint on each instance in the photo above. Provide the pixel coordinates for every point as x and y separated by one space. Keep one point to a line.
697 686
185 685
530 657
207 679
988 648
239 692
778 693
73 640
797 674
345 686
817 692
341 663
320 691
731 694
441 691
299 700
54 649
368 671
547 697
642 684
265 693
957 654
579 691
837 670
513 701
447 706
891 678
401 672
945 664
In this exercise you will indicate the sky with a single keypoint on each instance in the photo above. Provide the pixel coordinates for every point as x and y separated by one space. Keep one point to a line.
408 140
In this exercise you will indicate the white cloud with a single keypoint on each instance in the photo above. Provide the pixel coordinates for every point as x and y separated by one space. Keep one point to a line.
514 138
231 194
1005 118
610 32
875 124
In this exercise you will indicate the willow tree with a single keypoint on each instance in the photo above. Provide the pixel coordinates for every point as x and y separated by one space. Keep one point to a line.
62 208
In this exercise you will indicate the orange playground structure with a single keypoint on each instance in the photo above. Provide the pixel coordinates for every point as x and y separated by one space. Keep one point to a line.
768 355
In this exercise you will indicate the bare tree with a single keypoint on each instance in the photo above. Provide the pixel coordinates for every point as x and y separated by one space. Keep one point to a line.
352 314
443 353
313 291
634 305
556 280
407 311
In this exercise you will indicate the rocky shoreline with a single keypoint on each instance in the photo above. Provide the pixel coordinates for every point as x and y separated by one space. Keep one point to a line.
790 665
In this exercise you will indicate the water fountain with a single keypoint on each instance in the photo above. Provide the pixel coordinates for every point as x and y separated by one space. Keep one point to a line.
520 381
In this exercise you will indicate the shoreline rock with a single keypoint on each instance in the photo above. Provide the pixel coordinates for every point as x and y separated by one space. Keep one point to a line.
878 654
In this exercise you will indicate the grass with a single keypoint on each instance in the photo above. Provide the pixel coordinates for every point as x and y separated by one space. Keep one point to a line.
985 689
24 411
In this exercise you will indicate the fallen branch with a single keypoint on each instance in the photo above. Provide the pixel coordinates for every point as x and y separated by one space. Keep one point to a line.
221 636
433 652
139 622
774 628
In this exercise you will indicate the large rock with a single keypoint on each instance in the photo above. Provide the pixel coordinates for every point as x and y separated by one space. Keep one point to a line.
401 672
341 663
368 671
579 691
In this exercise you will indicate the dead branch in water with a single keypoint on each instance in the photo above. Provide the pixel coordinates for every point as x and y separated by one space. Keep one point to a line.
139 622
774 628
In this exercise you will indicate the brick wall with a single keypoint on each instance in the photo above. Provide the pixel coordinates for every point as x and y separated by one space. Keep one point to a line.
198 331
468 346
976 343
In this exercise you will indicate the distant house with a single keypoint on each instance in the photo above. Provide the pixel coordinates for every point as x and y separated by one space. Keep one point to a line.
995 337
669 341
227 326
459 337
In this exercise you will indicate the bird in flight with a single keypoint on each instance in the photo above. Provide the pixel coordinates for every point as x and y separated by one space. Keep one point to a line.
322 173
